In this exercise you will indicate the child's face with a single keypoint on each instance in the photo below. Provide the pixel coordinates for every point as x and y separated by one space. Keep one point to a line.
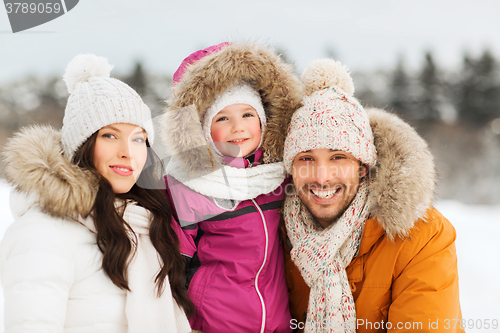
236 130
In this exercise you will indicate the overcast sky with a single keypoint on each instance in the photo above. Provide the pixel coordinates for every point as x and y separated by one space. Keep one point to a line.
363 34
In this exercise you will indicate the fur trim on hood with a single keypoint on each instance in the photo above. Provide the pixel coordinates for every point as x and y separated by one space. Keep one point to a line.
181 130
35 165
403 184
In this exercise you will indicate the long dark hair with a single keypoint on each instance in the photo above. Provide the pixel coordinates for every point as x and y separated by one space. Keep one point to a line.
113 230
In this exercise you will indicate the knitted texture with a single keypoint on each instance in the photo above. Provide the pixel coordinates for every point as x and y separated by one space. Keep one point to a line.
96 100
240 94
329 117
322 256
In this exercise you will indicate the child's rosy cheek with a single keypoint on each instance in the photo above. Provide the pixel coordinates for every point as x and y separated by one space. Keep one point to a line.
217 135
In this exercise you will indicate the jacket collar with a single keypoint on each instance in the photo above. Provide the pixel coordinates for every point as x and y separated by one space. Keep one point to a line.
36 167
372 232
243 162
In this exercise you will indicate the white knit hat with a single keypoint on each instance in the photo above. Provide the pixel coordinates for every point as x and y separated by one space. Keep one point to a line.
240 94
330 117
96 100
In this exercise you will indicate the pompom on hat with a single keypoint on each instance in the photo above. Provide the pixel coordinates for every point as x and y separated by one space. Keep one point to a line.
330 117
96 100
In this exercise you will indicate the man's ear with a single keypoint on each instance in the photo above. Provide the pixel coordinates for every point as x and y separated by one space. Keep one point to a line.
363 170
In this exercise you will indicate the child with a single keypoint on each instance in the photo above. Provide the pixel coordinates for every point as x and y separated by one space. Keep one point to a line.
227 182
90 250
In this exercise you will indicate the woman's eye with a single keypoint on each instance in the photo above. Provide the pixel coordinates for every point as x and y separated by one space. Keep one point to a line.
139 140
307 159
338 157
109 136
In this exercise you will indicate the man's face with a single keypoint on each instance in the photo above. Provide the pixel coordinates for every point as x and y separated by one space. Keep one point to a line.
326 181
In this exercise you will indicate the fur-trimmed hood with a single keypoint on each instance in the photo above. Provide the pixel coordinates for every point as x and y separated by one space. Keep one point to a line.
403 184
36 167
181 130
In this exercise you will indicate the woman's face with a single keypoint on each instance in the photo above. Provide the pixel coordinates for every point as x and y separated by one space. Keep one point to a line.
120 153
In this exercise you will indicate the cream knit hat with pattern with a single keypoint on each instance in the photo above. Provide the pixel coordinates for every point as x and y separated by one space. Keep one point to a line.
330 117
96 100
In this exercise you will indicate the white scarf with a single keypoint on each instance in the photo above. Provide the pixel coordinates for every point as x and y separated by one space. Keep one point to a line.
234 183
145 311
322 256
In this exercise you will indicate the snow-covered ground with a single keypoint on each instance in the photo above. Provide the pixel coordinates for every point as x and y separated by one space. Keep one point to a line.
478 249
478 252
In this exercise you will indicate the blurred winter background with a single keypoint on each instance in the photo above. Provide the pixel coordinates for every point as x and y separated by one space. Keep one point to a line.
435 63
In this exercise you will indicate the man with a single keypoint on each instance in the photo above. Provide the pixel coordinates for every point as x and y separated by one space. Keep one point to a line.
367 251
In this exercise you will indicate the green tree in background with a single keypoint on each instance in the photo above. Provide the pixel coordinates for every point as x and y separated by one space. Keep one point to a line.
137 79
400 99
478 100
430 96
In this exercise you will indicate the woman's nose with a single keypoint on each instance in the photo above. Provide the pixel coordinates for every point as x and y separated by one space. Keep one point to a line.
124 151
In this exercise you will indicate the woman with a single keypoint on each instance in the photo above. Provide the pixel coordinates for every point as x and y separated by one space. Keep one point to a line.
91 250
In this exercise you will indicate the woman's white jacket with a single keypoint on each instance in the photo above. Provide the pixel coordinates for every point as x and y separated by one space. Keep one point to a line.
50 265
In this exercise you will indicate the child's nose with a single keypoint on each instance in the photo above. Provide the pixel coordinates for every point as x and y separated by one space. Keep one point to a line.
237 126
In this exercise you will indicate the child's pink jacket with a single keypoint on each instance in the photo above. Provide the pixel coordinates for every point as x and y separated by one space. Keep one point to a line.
237 258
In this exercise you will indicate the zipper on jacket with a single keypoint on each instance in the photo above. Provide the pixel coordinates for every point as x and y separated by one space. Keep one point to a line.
263 326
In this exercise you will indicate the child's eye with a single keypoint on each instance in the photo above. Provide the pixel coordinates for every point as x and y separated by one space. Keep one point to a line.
305 158
338 157
248 115
221 119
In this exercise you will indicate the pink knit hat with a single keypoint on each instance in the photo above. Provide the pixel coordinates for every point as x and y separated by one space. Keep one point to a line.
330 117
194 57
